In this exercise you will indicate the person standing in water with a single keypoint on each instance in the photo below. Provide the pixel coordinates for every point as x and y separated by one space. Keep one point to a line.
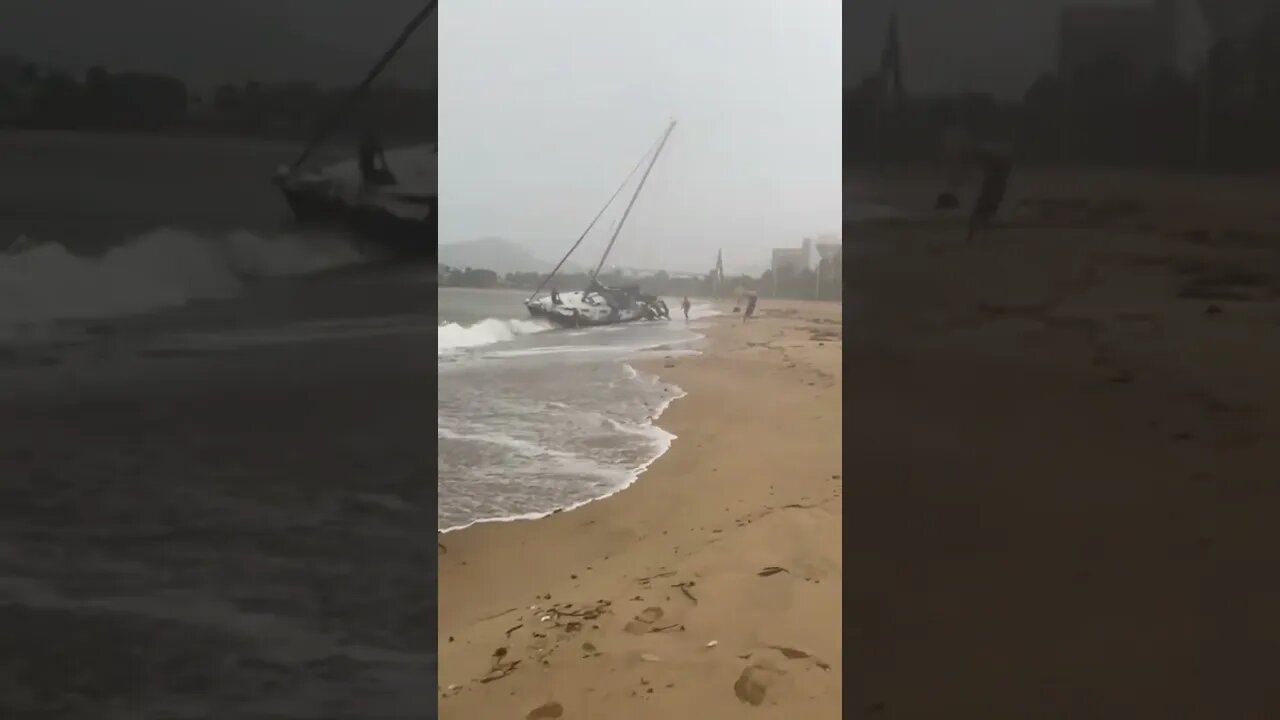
373 163
685 307
751 307
962 154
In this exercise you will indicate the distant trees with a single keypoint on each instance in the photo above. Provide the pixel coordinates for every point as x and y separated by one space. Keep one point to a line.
129 101
825 282
467 277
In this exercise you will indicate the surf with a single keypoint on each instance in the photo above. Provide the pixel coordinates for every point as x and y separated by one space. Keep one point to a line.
42 283
453 337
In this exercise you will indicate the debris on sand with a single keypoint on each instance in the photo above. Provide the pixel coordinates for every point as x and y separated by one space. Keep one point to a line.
773 570
684 588
499 671
794 654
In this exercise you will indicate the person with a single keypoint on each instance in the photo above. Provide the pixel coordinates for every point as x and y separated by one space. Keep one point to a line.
373 163
685 307
555 296
751 307
962 153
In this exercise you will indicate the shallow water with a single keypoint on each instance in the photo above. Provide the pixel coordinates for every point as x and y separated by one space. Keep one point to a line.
534 418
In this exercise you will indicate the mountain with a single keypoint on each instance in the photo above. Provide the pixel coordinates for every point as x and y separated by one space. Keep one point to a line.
329 42
498 254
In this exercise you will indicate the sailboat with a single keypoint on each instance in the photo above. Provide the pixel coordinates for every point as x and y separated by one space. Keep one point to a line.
383 200
597 304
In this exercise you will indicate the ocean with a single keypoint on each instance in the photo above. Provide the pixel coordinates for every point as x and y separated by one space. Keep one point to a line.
532 418
215 438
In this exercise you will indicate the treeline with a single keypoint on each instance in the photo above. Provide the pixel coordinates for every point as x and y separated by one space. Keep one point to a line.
32 97
1223 117
660 283
824 282
466 277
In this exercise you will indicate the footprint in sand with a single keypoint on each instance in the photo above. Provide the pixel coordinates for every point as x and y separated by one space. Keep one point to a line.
753 684
643 622
546 711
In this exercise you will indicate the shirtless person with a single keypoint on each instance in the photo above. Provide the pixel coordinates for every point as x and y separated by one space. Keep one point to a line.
963 153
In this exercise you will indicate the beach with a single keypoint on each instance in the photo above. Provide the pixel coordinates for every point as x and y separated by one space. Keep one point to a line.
531 418
708 587
1065 497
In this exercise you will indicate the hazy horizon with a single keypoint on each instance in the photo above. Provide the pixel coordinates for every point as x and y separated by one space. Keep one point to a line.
546 107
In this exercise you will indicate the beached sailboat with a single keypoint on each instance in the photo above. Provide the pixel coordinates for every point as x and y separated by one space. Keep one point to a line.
597 304
384 200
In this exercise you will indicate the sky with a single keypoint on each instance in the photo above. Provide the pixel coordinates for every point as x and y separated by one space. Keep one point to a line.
546 105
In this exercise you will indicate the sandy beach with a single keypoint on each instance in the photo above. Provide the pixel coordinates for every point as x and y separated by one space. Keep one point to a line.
1065 497
709 588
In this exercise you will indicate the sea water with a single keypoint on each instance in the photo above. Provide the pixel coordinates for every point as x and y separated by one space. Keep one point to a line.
535 418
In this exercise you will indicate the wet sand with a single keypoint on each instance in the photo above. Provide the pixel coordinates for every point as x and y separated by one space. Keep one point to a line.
225 534
1066 493
709 588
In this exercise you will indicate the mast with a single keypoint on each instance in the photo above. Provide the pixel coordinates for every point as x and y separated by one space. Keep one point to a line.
594 220
661 144
363 87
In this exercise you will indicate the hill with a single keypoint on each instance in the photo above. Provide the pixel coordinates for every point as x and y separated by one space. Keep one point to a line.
498 254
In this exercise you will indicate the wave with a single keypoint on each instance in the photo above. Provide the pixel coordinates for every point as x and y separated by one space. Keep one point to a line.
621 477
44 282
452 337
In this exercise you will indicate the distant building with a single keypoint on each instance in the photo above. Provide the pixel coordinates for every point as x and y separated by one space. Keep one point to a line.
828 247
1234 18
792 260
1146 36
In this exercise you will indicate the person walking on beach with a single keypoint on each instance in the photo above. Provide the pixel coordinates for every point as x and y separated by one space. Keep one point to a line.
962 153
751 307
685 307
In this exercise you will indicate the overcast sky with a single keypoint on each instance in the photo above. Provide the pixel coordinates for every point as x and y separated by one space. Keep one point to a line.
546 105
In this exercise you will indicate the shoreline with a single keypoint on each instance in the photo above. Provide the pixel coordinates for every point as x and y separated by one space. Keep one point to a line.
635 474
708 510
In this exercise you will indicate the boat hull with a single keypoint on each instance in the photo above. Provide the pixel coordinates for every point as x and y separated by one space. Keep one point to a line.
369 226
567 318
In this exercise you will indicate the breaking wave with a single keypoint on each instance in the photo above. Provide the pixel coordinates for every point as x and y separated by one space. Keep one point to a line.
452 337
43 282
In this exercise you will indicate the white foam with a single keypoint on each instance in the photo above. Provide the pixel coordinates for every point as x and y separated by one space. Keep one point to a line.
161 269
661 439
452 337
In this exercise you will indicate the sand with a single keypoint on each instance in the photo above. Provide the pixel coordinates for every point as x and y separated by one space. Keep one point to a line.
710 588
1065 490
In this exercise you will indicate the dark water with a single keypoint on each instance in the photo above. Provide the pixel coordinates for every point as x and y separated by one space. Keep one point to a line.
216 475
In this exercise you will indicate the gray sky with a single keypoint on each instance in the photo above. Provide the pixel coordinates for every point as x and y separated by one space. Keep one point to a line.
545 105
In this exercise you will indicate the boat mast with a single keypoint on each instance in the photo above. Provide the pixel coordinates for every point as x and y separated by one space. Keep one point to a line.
661 144
594 220
363 87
